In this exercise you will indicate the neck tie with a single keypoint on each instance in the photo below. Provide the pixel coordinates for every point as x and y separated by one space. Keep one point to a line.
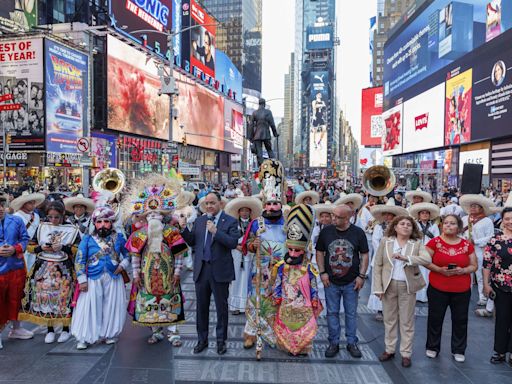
207 250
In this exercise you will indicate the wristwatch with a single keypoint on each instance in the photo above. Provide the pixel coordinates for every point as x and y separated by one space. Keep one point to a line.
362 276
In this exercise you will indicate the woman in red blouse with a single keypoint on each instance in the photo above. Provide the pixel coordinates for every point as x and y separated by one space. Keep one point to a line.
453 261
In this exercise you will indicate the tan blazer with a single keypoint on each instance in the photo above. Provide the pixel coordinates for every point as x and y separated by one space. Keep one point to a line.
417 254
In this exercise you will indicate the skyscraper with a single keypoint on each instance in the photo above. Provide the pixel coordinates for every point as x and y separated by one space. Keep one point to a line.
240 36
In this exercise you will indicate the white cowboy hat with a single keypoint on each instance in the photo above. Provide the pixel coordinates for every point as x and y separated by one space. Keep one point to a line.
299 199
415 209
323 208
184 199
258 196
378 210
427 197
70 202
236 204
355 198
26 197
465 202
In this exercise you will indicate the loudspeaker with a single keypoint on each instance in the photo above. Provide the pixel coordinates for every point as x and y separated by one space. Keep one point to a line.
471 179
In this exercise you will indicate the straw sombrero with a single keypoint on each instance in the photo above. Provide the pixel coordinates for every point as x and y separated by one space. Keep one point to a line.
415 209
70 202
323 208
299 199
465 202
236 204
355 198
25 197
427 197
184 199
378 210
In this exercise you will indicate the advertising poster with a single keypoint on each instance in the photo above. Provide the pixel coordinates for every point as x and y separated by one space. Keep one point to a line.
424 121
103 149
492 96
128 16
133 85
458 108
200 115
202 39
67 103
368 157
392 135
18 13
499 18
319 37
371 116
228 75
318 118
234 127
22 92
479 156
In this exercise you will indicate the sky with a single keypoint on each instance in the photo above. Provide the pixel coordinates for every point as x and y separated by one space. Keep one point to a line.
353 58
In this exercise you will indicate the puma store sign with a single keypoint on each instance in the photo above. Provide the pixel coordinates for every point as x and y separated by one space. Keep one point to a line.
421 121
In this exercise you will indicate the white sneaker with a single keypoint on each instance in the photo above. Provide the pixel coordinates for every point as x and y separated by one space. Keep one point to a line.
20 333
64 336
432 354
81 346
110 341
459 358
49 338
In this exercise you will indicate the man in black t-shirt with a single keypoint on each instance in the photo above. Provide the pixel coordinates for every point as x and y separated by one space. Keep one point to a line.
342 257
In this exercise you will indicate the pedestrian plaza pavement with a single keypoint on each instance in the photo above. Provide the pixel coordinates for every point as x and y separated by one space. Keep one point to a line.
133 361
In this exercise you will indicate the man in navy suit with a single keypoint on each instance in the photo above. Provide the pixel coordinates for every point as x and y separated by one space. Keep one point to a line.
213 236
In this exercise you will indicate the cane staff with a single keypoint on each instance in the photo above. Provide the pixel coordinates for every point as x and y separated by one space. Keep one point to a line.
259 330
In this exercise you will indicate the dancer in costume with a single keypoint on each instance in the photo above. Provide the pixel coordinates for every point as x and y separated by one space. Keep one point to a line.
244 209
295 290
82 209
24 206
101 264
49 286
157 258
267 234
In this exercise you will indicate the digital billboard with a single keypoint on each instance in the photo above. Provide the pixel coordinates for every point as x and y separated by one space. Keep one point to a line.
319 37
371 116
104 150
234 127
423 126
443 32
492 95
228 76
392 135
22 92
458 107
67 99
202 37
16 13
133 84
319 119
129 16
368 157
200 115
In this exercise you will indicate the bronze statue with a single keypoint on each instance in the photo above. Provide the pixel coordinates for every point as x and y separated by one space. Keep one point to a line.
259 132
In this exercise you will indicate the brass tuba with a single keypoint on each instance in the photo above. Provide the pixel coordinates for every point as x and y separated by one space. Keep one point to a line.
109 179
379 180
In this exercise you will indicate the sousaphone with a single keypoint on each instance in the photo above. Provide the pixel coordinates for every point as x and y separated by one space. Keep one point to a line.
379 180
109 179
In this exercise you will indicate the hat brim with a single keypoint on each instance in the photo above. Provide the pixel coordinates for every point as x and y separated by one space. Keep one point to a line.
378 211
20 201
415 209
465 202
355 198
323 208
70 202
236 204
427 197
299 199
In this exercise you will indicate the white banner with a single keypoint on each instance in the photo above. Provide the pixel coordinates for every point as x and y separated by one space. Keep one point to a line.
479 156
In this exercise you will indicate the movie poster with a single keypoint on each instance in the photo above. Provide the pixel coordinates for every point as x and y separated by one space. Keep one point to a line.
318 118
458 108
22 92
202 39
392 137
66 97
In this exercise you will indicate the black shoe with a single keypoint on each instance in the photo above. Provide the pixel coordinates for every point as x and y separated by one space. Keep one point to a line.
221 348
498 358
200 347
354 351
332 350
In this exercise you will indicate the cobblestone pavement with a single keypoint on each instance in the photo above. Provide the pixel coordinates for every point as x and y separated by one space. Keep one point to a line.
132 360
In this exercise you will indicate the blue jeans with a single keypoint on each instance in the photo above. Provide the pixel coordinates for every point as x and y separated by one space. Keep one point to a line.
333 295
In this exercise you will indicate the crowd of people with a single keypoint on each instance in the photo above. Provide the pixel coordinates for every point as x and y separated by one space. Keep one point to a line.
283 257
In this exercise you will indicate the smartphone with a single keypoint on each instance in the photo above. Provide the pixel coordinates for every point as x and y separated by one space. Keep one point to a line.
452 266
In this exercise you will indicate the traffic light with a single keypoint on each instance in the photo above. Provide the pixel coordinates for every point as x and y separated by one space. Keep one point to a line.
8 138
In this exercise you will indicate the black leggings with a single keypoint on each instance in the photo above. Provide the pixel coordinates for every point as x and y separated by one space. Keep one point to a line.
503 327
